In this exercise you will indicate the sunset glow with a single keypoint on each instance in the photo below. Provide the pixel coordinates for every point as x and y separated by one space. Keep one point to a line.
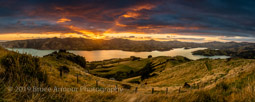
135 20
62 20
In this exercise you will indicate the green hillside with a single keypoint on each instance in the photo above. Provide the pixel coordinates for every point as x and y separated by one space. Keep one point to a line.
185 80
127 69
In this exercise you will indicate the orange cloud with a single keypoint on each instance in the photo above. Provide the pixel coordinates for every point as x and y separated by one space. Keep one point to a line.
143 7
62 20
119 24
81 30
131 15
134 11
88 33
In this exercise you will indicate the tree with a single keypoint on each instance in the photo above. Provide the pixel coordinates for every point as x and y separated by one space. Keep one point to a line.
131 72
133 58
120 75
62 51
145 73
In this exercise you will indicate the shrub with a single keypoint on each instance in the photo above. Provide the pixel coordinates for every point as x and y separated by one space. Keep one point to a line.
69 56
186 85
22 68
133 58
120 75
77 59
126 86
62 51
64 69
222 86
145 72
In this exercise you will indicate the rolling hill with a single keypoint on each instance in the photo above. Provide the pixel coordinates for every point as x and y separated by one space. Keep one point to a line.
170 78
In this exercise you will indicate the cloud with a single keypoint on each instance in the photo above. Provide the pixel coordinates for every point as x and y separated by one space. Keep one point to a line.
183 17
239 39
36 26
62 20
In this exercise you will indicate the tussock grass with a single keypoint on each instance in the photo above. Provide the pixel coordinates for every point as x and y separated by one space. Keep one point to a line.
20 70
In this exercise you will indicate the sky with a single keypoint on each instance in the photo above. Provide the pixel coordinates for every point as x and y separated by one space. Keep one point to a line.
164 20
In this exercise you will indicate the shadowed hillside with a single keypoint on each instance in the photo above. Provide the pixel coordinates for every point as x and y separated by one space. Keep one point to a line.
240 53
120 44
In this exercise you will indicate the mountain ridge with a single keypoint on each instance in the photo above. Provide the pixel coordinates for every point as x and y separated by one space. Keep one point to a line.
117 44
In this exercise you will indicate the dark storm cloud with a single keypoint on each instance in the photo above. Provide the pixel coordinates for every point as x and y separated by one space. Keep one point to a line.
210 17
34 28
98 15
192 17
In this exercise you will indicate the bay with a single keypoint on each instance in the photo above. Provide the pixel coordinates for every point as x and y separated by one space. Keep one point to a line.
99 55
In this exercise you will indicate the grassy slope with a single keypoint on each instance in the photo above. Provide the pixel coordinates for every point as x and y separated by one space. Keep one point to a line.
158 63
123 66
49 65
200 71
225 81
219 80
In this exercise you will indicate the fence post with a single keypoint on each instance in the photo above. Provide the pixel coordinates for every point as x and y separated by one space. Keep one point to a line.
77 78
60 73
152 90
166 90
96 83
136 88
117 87
180 90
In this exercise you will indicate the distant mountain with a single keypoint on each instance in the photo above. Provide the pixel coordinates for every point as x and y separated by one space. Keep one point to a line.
117 44
3 40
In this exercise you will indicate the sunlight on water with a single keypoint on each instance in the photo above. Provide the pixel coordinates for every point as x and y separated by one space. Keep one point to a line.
109 54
